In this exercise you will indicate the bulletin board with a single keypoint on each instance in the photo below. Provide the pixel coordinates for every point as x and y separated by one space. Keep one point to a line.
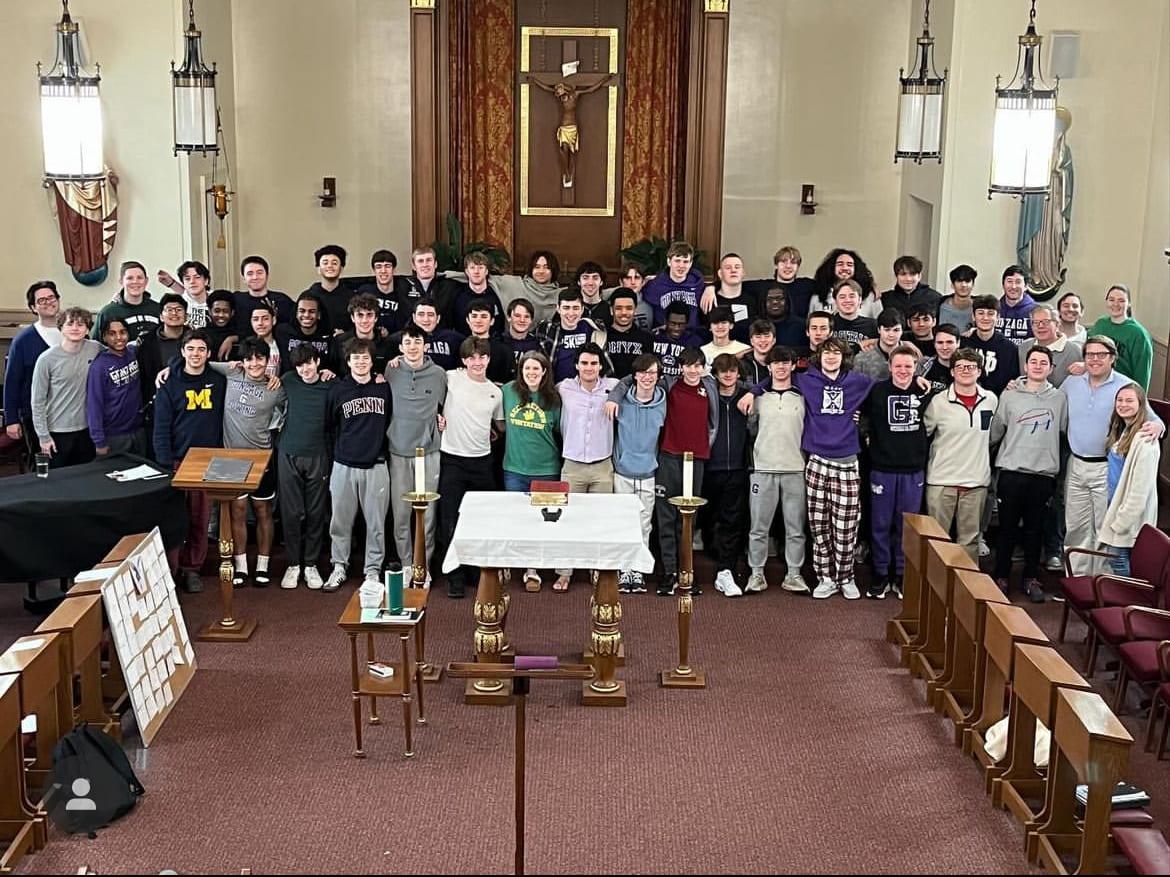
149 633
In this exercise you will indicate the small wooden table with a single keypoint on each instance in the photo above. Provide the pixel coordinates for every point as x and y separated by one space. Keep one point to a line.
189 476
366 684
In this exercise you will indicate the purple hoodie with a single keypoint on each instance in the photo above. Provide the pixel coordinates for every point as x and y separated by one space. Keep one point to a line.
661 291
829 406
113 396
1015 322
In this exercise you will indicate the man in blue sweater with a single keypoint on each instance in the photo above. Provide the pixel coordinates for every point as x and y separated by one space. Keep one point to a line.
188 413
681 282
29 343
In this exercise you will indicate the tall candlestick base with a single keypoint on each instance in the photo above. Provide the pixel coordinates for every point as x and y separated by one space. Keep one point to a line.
684 675
419 502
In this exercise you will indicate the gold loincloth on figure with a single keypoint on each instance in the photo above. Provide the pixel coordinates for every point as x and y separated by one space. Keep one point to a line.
567 136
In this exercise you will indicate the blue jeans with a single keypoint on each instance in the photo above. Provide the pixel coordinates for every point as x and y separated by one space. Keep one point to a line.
1118 560
517 483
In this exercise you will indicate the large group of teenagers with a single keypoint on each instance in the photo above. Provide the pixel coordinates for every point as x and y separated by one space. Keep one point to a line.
814 407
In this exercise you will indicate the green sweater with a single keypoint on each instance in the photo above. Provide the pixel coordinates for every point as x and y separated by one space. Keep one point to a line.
531 446
1135 350
305 430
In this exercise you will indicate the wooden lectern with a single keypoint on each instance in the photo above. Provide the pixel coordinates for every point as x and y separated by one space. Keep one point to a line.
190 477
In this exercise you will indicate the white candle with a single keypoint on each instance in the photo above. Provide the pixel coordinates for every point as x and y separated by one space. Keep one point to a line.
420 477
688 474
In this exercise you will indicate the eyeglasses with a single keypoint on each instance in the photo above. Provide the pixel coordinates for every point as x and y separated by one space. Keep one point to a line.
965 367
1042 322
1096 355
174 309
47 300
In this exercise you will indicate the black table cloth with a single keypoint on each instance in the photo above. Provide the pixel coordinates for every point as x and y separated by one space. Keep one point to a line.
58 526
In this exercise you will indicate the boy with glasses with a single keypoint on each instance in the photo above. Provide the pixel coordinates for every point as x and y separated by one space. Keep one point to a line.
28 345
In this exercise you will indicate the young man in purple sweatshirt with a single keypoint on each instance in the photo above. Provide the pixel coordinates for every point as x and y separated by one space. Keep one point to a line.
832 394
1015 307
113 395
681 282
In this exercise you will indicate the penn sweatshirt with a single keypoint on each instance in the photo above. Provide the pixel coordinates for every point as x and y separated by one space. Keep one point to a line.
358 416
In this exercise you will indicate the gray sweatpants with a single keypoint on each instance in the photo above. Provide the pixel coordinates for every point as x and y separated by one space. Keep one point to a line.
402 481
766 491
368 489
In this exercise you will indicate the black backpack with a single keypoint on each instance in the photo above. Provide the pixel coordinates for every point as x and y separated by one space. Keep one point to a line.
92 783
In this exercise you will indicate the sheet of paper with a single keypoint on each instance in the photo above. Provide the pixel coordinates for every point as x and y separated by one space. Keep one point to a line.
94 575
134 670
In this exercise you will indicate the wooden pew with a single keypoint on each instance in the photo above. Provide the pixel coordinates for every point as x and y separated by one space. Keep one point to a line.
79 623
35 661
1040 672
955 697
1005 626
22 829
942 560
903 628
1089 745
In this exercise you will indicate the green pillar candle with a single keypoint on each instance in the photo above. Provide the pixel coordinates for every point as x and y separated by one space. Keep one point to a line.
394 591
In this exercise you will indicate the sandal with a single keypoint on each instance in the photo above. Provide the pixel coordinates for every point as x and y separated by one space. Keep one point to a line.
261 579
561 585
532 582
239 578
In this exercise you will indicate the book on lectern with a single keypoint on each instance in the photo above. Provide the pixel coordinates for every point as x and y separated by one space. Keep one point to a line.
1124 795
227 469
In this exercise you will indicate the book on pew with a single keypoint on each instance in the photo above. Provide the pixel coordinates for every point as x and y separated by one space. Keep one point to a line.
1124 795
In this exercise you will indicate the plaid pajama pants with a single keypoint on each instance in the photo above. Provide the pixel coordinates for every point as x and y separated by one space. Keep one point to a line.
834 512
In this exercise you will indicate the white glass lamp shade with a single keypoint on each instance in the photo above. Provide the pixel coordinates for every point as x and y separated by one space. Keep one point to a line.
1021 151
195 120
71 130
920 117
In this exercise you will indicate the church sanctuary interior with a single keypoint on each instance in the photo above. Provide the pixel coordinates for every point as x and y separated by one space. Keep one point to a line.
771 396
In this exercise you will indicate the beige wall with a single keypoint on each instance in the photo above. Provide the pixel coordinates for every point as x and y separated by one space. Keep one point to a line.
350 72
136 103
1111 99
1153 270
812 98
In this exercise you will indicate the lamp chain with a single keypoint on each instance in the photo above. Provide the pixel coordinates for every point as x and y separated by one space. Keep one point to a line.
596 42
926 19
1032 14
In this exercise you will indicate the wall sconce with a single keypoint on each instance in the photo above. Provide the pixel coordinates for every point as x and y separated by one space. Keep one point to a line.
328 194
808 203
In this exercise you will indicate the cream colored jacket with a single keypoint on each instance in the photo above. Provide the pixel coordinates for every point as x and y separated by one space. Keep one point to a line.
1135 502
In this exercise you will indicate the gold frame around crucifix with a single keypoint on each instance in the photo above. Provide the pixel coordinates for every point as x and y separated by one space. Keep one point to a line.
610 33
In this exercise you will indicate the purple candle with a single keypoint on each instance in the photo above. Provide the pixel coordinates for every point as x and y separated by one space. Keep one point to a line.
536 662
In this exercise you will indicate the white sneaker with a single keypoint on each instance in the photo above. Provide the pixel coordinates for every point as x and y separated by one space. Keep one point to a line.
725 584
335 580
697 541
827 588
313 578
984 550
372 580
849 590
756 583
795 583
1054 563
292 577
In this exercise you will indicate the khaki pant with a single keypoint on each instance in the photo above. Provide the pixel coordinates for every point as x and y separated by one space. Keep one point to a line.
587 478
963 506
1086 500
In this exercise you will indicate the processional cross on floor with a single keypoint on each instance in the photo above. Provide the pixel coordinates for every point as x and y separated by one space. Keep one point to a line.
568 88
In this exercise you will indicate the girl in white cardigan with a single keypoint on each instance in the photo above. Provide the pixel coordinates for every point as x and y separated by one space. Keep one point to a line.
1132 479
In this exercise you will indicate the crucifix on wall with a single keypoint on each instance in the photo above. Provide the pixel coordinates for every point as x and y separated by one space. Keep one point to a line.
568 88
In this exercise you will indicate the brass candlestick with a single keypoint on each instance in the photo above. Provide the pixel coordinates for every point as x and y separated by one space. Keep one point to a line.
418 572
684 675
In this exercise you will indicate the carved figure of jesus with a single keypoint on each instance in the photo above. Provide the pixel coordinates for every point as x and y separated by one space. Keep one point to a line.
568 137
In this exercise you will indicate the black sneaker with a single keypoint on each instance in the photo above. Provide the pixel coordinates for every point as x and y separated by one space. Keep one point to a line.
192 583
1034 591
261 578
624 582
877 589
666 586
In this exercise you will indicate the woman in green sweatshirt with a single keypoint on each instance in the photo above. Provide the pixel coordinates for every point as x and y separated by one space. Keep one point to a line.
1135 349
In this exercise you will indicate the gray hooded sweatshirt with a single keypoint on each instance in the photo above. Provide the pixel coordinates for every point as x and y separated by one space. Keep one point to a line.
1031 425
